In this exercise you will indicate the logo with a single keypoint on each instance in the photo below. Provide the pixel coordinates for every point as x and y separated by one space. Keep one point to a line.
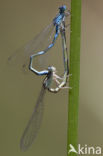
85 149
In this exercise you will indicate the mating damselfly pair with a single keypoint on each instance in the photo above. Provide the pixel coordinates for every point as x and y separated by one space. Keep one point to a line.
28 55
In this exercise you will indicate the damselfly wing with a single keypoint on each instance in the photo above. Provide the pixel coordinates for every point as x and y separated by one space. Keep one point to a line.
34 123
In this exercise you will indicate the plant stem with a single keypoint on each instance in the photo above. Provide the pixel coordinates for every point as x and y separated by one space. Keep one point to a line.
74 79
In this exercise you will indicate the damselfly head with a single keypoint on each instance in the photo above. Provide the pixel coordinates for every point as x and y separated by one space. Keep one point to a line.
62 8
52 68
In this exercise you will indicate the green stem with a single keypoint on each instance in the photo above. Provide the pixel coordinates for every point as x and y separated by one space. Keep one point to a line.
74 79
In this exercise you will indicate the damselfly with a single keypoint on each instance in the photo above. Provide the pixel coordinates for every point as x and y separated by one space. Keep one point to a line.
34 123
58 26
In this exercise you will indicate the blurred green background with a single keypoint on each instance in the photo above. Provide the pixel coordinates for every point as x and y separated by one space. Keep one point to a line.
20 22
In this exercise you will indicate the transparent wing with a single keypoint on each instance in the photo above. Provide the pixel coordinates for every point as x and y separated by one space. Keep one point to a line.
21 57
34 123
